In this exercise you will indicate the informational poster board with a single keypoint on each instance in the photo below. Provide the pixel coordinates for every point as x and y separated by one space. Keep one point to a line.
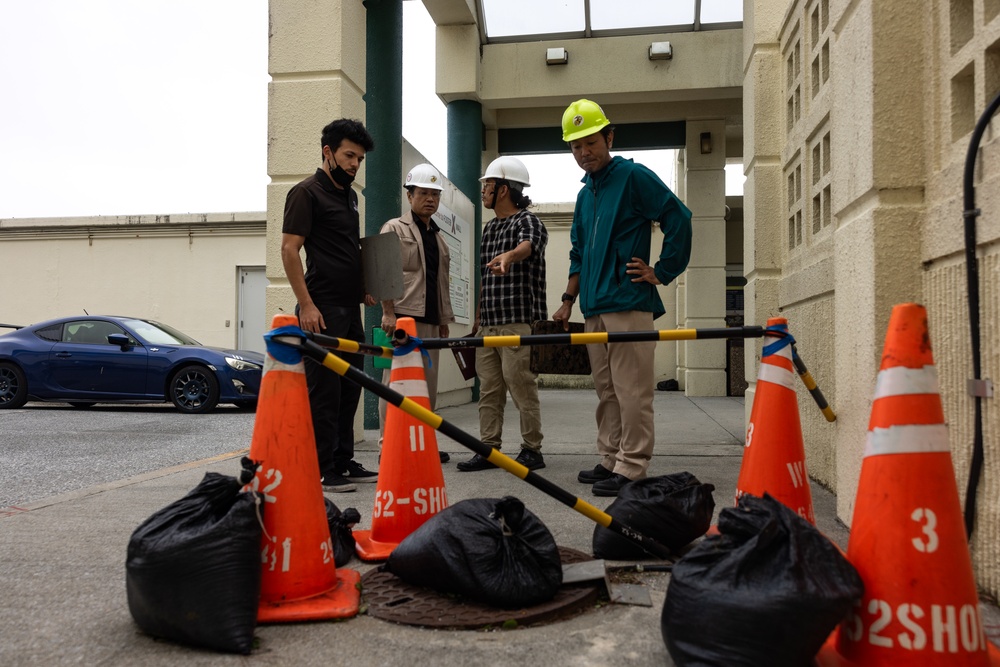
457 233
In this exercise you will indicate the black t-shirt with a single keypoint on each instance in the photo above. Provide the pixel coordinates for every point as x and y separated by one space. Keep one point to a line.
432 260
328 219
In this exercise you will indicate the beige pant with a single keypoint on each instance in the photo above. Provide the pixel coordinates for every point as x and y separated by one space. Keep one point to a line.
503 369
430 373
623 377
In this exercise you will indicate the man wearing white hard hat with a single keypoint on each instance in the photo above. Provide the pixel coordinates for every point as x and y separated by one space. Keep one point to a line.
426 261
512 296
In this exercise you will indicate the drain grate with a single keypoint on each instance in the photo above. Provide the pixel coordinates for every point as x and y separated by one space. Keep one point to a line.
391 599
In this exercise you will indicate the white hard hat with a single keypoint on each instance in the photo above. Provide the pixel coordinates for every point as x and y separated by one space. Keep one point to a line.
424 176
507 168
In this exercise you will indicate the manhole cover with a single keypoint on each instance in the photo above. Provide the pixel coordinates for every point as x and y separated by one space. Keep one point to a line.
390 598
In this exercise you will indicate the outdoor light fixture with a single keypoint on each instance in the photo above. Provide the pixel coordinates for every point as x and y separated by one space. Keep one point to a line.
706 142
660 51
556 56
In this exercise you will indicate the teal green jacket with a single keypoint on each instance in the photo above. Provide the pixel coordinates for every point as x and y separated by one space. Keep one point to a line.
612 224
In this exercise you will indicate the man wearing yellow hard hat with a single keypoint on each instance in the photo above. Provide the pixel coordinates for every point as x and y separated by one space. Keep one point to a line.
609 272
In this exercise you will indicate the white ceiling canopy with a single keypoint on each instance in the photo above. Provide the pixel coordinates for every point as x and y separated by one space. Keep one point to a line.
531 20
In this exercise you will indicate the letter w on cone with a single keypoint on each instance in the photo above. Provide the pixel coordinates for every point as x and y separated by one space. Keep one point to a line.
774 459
907 542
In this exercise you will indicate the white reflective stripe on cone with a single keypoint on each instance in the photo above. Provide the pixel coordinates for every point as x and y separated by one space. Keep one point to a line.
408 360
776 375
907 439
272 364
902 381
410 388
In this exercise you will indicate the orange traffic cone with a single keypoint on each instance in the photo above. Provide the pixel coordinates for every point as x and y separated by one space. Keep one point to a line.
774 459
410 482
907 542
299 579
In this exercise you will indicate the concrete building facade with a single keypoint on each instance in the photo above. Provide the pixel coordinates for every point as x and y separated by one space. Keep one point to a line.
852 120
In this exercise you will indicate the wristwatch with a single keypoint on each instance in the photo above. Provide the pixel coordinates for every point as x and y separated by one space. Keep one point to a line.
568 297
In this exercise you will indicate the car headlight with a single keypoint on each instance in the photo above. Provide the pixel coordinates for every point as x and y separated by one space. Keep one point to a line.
242 364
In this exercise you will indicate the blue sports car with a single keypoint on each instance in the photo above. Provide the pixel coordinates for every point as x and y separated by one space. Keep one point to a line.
97 359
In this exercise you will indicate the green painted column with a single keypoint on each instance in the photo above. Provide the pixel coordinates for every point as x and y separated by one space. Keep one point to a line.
465 157
384 116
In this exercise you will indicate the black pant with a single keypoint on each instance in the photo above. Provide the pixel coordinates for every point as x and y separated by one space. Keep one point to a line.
333 400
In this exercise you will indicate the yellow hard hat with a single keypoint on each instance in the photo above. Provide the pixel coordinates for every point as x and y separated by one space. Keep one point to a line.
583 118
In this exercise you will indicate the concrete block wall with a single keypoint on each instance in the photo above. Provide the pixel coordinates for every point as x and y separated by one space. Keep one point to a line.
317 63
857 119
316 59
961 78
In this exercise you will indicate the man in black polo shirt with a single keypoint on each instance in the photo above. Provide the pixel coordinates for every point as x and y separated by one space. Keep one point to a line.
321 213
512 296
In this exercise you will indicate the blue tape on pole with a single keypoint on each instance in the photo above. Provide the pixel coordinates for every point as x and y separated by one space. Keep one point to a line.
413 344
283 352
773 348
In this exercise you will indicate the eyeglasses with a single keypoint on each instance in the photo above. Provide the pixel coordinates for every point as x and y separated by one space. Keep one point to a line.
427 194
488 189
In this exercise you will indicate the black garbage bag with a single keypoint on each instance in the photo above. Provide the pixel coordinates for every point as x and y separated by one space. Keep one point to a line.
487 550
341 531
193 568
672 509
767 591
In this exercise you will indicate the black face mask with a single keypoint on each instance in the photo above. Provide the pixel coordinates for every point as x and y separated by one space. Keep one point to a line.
339 176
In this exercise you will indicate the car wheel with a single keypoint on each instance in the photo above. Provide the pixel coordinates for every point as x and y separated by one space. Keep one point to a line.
13 386
194 389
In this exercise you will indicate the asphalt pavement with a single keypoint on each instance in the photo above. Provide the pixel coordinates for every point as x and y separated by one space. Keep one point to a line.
62 557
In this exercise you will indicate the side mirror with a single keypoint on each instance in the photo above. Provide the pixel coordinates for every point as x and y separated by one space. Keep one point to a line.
121 340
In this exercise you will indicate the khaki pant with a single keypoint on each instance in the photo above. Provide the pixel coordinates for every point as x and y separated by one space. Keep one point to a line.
623 377
502 370
430 373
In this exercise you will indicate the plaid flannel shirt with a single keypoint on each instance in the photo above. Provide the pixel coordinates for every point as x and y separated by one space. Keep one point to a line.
518 296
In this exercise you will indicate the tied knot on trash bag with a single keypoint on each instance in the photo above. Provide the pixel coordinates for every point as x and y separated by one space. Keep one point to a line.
341 531
672 509
493 551
193 568
767 590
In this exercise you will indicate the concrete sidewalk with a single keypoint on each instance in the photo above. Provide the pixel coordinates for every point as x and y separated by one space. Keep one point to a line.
62 560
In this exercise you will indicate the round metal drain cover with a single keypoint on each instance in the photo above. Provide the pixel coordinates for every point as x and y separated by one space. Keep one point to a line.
390 598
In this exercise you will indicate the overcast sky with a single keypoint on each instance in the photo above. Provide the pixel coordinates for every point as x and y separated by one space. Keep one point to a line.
114 107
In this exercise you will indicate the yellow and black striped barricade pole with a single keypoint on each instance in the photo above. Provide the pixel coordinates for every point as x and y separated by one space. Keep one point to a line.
598 338
810 383
348 345
333 362
604 337
402 339
595 338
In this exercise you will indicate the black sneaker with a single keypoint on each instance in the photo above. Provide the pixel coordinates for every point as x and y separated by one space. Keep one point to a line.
356 472
445 457
610 486
530 459
337 484
477 462
596 475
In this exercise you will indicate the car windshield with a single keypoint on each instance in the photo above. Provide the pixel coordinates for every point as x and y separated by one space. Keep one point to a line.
159 334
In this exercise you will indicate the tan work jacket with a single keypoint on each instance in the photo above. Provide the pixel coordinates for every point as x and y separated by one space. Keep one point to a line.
413 301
